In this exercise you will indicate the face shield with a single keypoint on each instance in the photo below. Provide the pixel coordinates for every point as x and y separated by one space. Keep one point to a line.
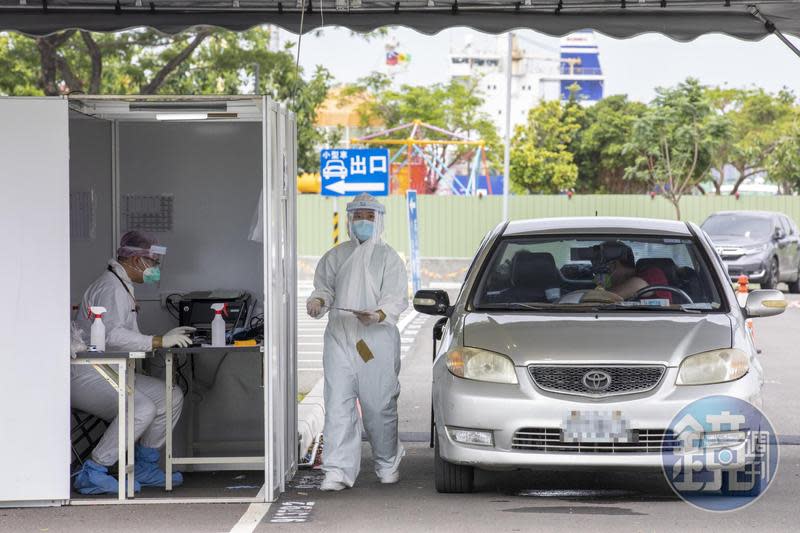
365 218
144 254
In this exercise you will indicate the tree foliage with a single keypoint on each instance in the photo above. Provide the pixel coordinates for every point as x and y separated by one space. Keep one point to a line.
759 122
540 159
453 106
201 61
673 142
599 146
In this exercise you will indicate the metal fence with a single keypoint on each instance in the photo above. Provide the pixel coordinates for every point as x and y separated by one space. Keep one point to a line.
453 226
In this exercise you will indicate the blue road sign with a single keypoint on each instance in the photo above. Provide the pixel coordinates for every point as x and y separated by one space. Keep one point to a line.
413 236
352 171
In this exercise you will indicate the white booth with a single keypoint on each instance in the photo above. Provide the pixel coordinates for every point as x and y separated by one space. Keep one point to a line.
213 178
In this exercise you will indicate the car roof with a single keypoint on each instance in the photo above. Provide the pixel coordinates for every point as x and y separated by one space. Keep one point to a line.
598 225
764 214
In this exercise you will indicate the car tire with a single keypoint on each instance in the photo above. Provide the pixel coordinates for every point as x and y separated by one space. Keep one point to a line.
451 478
771 276
794 286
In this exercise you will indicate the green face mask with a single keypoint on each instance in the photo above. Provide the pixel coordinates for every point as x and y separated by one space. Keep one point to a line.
152 274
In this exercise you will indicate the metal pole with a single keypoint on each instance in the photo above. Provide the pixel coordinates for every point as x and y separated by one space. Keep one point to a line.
256 77
507 150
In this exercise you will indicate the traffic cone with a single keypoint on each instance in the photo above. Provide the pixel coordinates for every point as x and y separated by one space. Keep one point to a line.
741 297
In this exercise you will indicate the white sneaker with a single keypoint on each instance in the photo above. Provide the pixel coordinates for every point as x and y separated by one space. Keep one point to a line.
331 485
388 479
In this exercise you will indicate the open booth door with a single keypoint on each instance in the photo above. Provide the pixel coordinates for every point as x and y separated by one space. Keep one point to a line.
35 315
280 309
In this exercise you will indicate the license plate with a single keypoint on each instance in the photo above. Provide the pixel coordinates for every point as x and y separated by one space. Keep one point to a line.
596 426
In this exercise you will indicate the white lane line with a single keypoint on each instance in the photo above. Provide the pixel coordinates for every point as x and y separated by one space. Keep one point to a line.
253 516
403 324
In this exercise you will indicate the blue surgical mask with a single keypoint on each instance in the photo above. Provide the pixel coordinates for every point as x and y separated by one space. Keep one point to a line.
363 229
152 274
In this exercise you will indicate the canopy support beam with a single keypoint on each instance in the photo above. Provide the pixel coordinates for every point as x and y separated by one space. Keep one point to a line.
771 28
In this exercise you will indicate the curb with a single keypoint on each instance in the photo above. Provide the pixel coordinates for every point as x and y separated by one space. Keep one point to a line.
311 415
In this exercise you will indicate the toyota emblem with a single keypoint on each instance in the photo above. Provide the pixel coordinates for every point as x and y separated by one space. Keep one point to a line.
597 380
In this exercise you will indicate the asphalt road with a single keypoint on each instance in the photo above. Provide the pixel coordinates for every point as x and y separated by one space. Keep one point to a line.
514 501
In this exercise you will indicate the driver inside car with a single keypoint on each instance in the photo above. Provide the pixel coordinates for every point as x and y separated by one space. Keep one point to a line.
624 280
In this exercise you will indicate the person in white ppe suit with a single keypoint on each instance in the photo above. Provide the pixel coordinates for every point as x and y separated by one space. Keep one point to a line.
361 354
138 261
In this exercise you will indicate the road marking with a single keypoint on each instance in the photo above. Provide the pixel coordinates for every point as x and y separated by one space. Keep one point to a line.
403 324
253 516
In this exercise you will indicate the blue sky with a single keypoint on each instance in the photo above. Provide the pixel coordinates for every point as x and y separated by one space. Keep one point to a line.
633 66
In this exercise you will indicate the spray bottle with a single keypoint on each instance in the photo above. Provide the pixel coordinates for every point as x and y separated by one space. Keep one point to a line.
218 324
98 331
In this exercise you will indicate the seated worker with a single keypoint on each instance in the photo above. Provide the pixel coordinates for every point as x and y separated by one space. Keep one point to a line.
624 281
138 260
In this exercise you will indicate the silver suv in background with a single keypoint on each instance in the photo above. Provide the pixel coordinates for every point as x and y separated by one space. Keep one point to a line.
762 245
575 341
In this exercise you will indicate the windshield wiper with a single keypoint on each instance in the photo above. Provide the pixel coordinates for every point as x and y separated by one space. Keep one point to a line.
643 307
532 307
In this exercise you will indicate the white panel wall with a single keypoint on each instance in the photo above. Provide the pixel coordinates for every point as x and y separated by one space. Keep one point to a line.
90 151
214 171
35 315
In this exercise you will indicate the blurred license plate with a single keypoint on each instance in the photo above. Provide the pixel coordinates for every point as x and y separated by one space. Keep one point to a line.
595 426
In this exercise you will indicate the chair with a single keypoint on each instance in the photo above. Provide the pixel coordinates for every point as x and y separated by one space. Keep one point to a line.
85 433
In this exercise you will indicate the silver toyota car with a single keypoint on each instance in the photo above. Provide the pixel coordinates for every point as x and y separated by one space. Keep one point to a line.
575 341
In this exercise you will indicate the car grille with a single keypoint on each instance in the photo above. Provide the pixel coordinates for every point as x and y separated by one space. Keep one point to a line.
550 440
569 379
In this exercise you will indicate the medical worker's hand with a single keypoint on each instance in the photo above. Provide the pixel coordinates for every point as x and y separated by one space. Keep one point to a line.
369 317
314 307
177 337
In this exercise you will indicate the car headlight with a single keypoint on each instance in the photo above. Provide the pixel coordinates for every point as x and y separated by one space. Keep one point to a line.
481 365
717 366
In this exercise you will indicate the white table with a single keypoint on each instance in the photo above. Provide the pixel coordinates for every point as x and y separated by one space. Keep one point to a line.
169 354
124 383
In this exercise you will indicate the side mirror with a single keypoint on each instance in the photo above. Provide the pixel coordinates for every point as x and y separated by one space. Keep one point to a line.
432 302
764 302
779 234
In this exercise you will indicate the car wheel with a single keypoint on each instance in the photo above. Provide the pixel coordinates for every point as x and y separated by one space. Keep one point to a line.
451 478
794 286
771 277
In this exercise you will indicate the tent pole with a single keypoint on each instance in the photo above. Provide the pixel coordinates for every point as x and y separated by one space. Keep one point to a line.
770 26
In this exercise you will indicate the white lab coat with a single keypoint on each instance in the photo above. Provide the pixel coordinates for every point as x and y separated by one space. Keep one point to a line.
121 318
91 393
369 276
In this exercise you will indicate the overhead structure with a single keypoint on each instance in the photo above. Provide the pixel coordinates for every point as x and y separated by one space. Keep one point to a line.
682 20
413 148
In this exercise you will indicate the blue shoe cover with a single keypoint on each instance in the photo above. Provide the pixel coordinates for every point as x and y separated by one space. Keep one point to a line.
93 478
149 473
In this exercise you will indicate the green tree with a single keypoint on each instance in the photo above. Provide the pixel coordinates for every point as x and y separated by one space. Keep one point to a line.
198 61
540 159
599 146
453 106
675 139
758 122
783 164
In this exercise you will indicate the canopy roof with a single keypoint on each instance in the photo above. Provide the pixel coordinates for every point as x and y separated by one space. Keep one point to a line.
680 19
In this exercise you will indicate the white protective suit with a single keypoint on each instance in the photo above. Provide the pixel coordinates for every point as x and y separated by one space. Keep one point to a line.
362 276
91 393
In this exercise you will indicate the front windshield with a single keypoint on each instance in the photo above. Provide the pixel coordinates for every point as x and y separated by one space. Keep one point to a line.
748 227
591 273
